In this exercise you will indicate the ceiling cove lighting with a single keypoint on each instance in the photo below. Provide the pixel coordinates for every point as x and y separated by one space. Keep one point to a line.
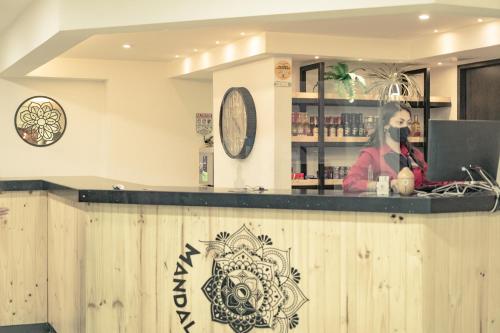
360 59
479 20
440 63
316 57
126 46
423 17
436 30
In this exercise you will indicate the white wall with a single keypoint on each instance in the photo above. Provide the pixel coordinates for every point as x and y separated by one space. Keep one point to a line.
135 126
78 152
268 164
444 83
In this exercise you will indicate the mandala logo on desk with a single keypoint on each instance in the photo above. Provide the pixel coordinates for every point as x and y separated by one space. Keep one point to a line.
252 283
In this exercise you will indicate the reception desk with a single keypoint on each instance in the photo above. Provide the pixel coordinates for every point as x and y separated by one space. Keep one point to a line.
79 257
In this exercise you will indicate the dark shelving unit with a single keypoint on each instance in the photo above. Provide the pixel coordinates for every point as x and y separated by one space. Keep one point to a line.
341 144
362 103
320 100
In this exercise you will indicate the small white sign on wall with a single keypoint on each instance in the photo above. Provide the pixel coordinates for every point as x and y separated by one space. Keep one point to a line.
204 123
283 73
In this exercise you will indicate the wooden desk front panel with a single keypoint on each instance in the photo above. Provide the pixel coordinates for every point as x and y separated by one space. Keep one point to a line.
111 268
23 258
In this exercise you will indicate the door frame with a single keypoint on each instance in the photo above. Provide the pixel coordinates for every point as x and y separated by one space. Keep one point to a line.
461 83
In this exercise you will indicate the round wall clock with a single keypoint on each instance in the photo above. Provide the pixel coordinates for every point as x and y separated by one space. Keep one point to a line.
237 122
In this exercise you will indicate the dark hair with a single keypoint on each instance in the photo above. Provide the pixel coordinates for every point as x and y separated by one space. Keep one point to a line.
386 112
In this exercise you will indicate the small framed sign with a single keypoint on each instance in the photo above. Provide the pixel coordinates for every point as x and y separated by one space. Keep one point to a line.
204 123
283 73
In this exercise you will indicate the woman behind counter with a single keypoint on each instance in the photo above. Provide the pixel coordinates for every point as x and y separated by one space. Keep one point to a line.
389 152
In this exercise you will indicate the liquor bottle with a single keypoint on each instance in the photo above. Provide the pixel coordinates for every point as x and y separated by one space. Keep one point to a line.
355 127
361 125
417 129
316 126
295 121
311 126
335 127
340 128
348 125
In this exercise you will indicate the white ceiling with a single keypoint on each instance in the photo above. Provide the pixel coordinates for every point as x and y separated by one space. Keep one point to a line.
164 45
10 9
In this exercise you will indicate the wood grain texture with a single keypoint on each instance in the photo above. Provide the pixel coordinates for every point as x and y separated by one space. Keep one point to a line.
112 267
23 258
121 268
66 265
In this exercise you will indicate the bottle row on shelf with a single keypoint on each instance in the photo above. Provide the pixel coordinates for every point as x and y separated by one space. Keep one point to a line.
335 173
345 125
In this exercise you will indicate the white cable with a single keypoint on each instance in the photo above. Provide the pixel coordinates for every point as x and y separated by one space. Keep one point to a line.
459 189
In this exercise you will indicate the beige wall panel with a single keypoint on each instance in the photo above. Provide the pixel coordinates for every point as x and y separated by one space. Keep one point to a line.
66 265
23 258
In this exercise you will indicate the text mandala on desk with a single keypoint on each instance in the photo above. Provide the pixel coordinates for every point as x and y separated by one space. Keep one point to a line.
252 283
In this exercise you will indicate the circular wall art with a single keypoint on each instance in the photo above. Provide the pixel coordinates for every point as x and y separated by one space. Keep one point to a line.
237 122
40 121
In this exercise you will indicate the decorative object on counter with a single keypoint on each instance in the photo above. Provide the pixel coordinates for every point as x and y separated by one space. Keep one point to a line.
237 122
405 182
40 121
347 83
253 284
391 83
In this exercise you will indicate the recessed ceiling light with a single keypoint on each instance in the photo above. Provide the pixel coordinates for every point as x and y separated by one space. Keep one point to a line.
360 59
217 42
126 46
440 63
195 50
242 33
177 56
423 17
316 57
480 20
436 30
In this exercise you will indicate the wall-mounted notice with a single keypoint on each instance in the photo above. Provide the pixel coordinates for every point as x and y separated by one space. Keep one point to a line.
283 73
204 123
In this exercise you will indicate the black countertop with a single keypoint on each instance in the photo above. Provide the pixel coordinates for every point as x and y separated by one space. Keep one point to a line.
100 190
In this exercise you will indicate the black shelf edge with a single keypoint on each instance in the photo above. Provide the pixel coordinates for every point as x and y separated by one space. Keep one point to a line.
362 103
330 144
340 144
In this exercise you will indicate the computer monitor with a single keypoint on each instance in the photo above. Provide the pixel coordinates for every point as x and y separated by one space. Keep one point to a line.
456 143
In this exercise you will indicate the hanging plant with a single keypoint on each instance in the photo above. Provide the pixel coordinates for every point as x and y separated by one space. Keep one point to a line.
390 82
347 83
